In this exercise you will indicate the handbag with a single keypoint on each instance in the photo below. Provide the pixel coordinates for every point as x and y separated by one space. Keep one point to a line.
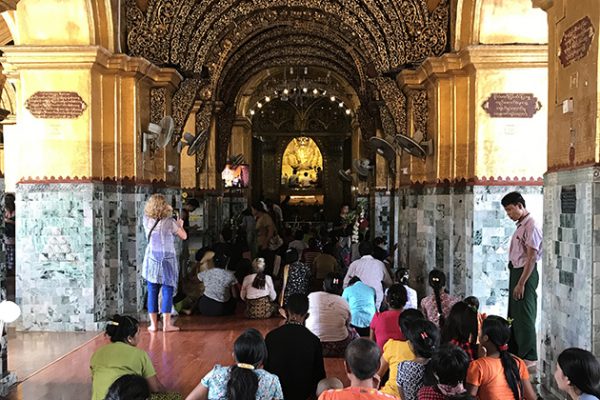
275 242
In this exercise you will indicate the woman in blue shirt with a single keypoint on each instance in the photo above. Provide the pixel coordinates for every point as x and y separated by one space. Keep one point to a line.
361 299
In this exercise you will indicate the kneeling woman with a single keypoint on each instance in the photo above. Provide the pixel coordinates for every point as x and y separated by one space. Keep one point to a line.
121 357
258 292
245 379
329 317
220 291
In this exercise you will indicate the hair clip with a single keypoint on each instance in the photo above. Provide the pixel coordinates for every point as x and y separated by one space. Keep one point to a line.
424 335
245 366
336 281
509 321
504 347
115 323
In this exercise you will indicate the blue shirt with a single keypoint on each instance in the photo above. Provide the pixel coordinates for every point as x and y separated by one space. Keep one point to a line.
585 396
361 299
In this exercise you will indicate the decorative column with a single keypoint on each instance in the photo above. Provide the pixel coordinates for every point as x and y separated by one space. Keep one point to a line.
571 278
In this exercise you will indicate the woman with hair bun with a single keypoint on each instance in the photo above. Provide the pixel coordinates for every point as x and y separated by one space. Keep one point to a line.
384 325
436 306
121 357
244 380
258 292
578 374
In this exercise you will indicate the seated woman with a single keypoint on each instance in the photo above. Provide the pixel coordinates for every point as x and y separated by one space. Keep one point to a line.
245 379
578 374
258 292
329 317
121 357
384 325
296 276
462 329
437 305
324 264
361 299
220 292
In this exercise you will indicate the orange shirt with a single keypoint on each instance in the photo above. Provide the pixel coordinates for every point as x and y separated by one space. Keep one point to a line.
488 374
355 393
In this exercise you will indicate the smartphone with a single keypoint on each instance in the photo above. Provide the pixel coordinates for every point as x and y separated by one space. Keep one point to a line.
175 214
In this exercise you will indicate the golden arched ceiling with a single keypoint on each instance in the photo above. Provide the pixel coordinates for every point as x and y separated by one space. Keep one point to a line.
377 36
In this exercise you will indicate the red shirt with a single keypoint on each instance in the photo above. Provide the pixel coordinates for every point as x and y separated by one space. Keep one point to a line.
385 327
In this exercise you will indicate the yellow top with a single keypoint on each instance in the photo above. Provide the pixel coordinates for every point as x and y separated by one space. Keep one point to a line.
394 352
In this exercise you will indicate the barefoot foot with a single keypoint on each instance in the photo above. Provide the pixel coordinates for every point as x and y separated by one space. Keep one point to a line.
170 328
152 328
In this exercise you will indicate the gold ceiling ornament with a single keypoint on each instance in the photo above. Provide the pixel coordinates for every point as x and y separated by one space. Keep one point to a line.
183 100
224 126
389 33
158 104
203 120
395 102
418 101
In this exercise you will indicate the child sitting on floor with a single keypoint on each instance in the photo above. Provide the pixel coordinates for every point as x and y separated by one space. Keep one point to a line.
362 363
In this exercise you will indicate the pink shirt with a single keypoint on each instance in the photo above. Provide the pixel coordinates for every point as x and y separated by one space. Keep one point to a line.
385 327
527 234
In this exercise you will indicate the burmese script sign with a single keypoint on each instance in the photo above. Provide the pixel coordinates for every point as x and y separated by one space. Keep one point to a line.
512 105
57 105
576 41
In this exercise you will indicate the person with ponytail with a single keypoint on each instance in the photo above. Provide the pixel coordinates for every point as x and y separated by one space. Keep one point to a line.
446 374
245 379
258 292
499 375
436 306
121 357
423 339
462 328
578 374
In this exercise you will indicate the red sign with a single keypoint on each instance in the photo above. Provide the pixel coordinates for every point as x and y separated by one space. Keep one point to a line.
576 41
57 105
512 105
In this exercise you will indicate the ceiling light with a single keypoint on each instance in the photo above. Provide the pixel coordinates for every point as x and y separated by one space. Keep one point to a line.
285 91
259 105
348 111
267 99
315 92
341 105
305 90
332 98
252 112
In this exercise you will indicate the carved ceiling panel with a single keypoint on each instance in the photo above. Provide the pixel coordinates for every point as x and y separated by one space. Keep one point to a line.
230 41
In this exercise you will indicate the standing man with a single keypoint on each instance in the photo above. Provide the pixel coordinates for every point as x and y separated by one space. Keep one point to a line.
524 253
371 272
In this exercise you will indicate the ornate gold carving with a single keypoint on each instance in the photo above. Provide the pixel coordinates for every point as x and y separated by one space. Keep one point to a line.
224 125
183 100
418 100
203 120
395 102
386 35
158 104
